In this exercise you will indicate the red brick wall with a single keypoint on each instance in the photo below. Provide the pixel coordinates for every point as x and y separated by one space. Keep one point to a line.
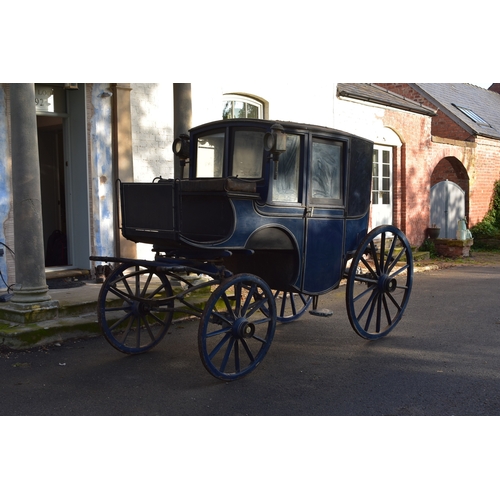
484 173
443 126
411 173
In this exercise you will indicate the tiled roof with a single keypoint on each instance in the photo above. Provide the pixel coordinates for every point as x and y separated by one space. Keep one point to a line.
372 93
483 103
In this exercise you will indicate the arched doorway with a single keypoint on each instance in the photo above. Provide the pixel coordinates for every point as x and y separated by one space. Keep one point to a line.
449 195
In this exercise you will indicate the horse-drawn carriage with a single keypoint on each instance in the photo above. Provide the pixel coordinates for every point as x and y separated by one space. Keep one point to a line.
267 217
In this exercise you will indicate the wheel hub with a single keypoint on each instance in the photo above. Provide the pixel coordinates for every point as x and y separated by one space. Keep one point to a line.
387 284
243 328
139 308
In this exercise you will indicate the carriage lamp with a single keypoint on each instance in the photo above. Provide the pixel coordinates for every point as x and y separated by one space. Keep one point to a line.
275 143
180 147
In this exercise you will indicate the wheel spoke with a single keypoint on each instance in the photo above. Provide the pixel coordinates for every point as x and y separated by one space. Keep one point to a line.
120 294
248 351
382 250
250 297
227 354
364 292
393 300
389 255
373 253
236 357
386 309
218 347
367 265
146 285
379 312
373 300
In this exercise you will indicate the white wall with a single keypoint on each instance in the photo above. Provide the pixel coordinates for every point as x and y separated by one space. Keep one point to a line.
152 130
289 101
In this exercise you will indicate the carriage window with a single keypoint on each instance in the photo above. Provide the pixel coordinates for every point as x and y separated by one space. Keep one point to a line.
286 186
210 155
248 154
326 171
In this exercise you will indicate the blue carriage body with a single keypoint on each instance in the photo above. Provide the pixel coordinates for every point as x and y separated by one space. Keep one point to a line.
285 201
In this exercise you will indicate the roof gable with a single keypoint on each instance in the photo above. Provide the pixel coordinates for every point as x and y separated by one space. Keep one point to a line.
473 108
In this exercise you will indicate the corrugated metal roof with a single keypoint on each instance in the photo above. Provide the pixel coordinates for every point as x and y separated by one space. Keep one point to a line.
450 97
378 95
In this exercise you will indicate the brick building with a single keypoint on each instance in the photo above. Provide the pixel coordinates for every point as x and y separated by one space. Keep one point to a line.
463 147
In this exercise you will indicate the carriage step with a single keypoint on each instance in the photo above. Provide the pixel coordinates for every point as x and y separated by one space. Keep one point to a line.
325 313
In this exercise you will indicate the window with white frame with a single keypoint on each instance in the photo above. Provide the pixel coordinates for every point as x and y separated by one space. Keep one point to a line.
240 106
382 175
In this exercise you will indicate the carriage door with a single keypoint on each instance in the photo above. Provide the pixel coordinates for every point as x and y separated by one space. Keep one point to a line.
381 186
324 216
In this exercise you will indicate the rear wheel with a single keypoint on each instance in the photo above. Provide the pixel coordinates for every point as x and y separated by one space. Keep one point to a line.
291 305
379 282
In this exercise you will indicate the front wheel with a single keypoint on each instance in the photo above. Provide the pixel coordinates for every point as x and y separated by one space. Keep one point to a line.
379 282
135 308
237 327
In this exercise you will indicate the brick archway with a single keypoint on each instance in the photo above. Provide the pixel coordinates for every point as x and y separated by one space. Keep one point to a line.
452 169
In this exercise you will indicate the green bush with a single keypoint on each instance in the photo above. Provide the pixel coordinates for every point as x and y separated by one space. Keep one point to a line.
428 246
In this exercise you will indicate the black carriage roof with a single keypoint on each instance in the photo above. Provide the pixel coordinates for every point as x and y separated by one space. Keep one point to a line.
303 127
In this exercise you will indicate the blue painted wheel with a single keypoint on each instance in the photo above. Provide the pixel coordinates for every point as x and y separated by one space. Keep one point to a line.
291 305
133 308
379 282
237 327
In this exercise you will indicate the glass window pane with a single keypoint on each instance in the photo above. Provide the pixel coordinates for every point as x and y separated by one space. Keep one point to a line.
386 198
326 162
252 111
286 186
239 109
227 111
375 184
386 170
248 154
210 155
386 184
385 156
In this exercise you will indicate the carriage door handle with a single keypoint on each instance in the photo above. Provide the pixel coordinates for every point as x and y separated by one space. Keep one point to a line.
309 212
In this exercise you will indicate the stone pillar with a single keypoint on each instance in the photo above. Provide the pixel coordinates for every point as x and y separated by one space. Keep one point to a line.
30 301
182 117
122 157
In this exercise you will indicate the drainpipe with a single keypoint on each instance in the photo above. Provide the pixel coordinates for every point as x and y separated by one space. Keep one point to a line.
30 299
182 117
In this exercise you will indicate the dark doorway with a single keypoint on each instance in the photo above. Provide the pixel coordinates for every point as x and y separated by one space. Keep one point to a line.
52 179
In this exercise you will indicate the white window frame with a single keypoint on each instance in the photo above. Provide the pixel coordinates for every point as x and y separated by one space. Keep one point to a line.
243 99
379 192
